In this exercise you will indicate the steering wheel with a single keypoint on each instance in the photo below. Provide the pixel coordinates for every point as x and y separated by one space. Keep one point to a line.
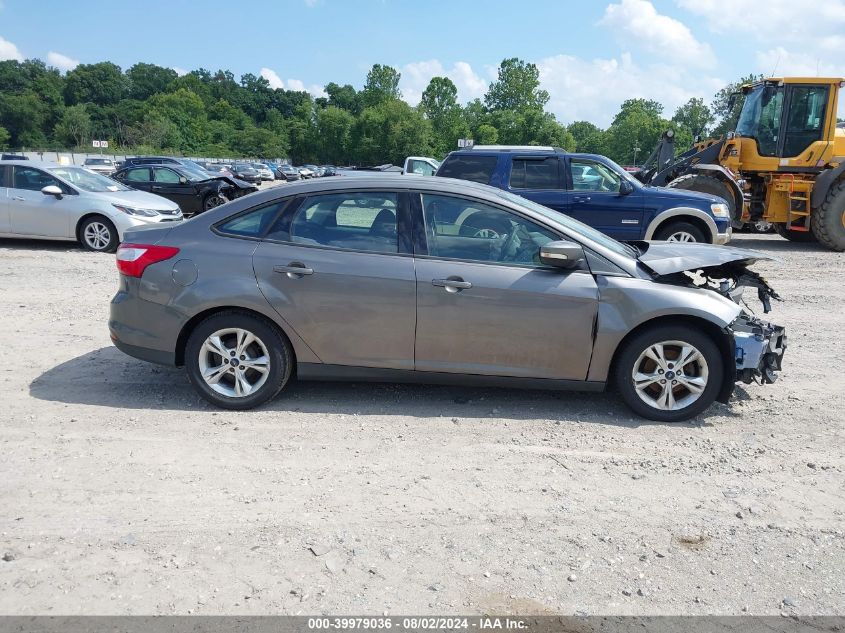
513 245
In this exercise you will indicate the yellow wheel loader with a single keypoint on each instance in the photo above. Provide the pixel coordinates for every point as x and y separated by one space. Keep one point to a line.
783 165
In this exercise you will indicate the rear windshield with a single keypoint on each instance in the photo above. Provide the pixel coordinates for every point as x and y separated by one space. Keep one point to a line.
474 168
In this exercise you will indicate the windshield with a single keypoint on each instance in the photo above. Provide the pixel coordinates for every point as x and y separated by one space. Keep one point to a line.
97 161
579 227
760 117
87 180
194 174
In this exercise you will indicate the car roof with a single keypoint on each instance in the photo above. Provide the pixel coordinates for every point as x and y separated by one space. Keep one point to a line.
524 150
43 164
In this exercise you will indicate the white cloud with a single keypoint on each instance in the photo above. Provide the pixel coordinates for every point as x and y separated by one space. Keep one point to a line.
594 89
780 62
299 86
179 70
62 62
638 22
416 76
9 51
774 20
272 78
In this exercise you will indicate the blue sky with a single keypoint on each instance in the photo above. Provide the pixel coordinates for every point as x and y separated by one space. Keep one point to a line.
592 55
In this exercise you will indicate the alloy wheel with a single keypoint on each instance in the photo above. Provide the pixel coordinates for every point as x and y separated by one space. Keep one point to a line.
234 362
670 375
97 235
214 201
681 236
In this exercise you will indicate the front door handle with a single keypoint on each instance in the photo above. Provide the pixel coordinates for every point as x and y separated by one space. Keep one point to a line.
452 284
581 199
19 198
294 270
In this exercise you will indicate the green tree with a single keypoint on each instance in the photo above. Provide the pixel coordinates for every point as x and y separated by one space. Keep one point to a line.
440 105
635 130
186 113
334 134
694 116
486 135
101 84
517 88
389 132
344 97
4 137
382 85
145 80
74 128
25 117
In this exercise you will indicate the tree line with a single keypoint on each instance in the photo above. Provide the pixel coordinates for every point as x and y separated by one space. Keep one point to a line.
151 109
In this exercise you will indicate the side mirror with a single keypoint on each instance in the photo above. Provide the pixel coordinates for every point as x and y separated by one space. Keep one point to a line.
52 190
182 180
561 254
626 188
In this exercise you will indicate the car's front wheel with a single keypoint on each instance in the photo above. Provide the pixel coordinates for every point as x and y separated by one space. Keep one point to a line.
237 361
680 232
99 234
213 200
669 374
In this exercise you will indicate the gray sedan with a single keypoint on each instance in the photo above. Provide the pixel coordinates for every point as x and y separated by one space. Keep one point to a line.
441 281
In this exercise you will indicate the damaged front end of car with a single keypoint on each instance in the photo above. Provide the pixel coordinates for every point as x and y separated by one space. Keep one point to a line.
759 346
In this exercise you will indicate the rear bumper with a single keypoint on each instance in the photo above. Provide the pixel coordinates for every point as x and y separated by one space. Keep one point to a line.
760 347
144 329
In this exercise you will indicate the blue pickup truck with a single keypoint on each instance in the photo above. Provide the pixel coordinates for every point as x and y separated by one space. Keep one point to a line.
596 191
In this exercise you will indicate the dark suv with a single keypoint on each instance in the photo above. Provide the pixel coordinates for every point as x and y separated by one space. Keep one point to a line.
596 191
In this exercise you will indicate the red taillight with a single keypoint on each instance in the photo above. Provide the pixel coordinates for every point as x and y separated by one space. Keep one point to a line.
133 259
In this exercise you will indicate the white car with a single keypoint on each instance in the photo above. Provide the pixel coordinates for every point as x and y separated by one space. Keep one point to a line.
421 165
264 171
64 202
104 166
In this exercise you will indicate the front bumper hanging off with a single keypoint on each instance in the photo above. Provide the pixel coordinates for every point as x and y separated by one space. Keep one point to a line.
759 349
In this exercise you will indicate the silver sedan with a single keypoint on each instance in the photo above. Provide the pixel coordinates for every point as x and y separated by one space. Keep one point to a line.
438 281
61 202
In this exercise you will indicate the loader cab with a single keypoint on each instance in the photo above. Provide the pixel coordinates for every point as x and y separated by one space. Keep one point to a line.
786 123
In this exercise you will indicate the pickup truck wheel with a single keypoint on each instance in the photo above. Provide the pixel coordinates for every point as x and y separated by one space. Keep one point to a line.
794 236
669 374
680 232
829 219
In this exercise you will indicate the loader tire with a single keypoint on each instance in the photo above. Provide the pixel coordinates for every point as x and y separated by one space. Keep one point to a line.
794 236
712 185
829 219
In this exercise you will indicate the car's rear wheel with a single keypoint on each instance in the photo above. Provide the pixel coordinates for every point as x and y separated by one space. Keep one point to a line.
680 232
213 200
669 374
98 234
237 361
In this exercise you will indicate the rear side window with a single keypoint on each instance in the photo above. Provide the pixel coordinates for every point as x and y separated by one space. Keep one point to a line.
465 167
529 173
5 175
252 223
139 174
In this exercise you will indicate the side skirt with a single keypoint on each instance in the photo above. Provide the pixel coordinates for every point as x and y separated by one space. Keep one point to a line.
344 373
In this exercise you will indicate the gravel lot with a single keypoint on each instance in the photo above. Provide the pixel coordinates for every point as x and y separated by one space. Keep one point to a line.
123 493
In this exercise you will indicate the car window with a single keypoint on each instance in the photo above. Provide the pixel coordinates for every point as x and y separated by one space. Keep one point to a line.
474 168
5 175
593 176
457 228
33 179
163 174
535 174
363 221
253 223
421 167
139 174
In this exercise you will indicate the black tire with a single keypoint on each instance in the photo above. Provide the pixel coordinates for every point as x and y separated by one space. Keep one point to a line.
278 351
712 185
98 234
829 219
794 236
213 200
629 356
675 227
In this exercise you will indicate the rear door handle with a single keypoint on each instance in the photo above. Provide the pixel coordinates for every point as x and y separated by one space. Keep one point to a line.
294 270
581 199
19 198
453 284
